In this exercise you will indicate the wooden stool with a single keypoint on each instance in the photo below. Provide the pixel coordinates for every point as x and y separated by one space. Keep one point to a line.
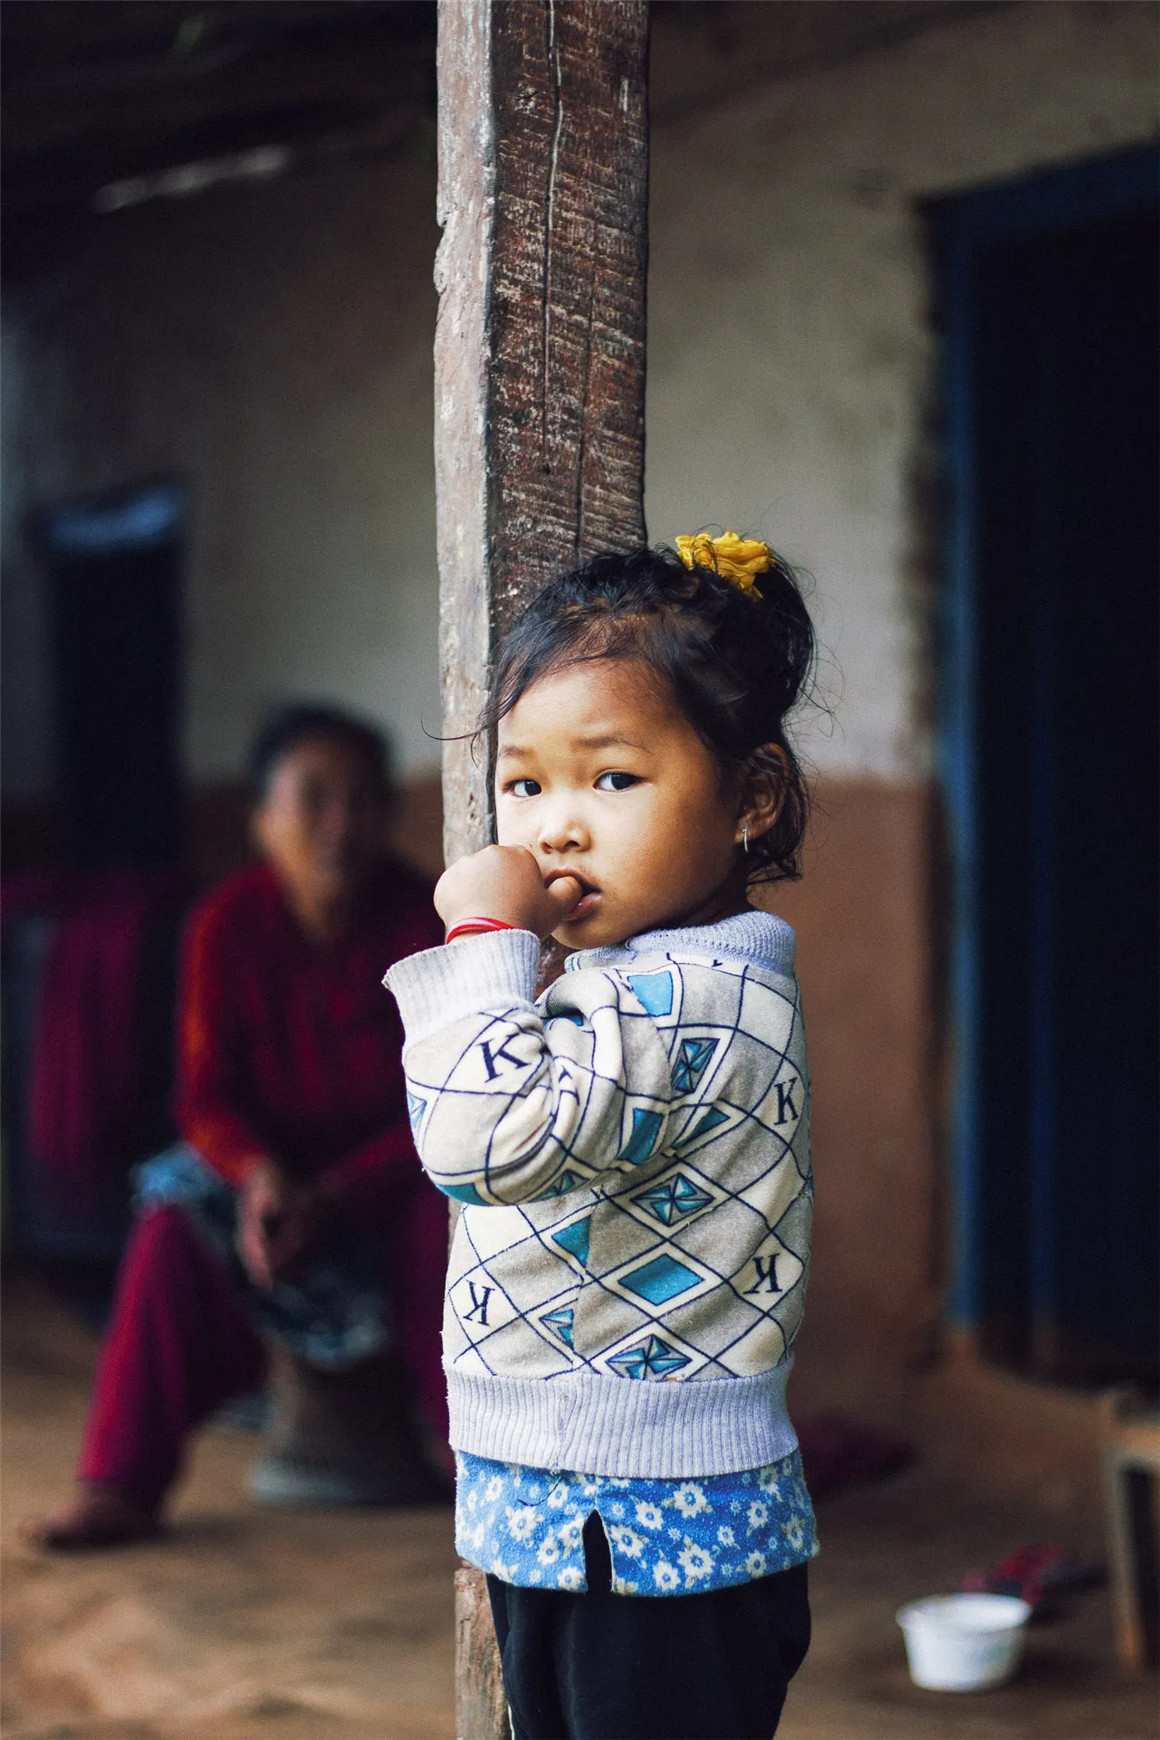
343 1438
1131 1470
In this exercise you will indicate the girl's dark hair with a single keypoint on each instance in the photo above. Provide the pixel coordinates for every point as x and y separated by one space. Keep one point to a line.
300 722
735 664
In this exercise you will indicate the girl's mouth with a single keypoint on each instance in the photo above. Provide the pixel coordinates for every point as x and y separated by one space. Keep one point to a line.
585 905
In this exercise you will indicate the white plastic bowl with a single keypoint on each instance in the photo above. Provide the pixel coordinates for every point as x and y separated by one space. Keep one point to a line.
963 1643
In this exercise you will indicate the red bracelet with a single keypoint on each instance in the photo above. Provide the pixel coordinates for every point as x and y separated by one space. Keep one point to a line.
467 925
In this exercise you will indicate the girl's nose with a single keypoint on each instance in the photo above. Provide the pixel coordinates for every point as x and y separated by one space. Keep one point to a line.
563 830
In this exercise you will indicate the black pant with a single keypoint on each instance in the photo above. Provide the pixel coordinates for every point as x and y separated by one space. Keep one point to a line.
599 1666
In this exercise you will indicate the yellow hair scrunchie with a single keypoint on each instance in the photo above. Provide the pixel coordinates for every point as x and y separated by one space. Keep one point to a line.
737 560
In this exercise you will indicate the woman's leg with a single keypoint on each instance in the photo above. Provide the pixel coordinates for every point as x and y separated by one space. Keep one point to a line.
676 1667
179 1345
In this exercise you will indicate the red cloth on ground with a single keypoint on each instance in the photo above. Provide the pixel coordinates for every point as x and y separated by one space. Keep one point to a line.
86 1077
838 1453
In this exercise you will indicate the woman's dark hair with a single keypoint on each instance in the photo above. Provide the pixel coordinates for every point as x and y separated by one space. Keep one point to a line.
735 664
304 722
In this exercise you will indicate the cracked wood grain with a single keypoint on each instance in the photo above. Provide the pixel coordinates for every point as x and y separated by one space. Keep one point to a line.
539 388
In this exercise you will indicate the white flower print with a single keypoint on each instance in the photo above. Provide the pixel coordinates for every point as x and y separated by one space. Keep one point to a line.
520 1522
694 1561
762 1512
626 1541
794 1532
570 1534
689 1499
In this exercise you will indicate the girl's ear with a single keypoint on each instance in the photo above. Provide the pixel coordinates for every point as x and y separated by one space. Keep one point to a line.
763 791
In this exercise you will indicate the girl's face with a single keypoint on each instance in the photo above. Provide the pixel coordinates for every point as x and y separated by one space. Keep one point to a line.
601 777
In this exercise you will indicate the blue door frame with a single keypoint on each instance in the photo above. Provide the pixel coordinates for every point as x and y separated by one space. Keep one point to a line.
962 226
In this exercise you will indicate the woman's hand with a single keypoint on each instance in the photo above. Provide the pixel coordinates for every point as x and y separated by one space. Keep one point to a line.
505 882
277 1223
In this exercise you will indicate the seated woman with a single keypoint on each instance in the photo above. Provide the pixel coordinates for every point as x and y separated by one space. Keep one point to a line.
296 1205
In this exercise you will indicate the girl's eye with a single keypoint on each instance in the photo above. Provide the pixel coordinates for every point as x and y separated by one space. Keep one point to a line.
616 781
524 788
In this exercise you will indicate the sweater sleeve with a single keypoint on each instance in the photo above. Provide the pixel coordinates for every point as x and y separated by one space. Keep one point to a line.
512 1101
208 1047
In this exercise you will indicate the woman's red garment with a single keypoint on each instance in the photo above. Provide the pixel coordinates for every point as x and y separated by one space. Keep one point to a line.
291 1052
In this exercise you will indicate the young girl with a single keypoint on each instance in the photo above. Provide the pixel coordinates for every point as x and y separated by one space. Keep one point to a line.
627 1276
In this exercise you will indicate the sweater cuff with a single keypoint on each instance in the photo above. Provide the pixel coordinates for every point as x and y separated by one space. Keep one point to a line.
496 969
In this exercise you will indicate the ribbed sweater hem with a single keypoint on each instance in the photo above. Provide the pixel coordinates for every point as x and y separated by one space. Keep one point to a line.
437 987
622 1426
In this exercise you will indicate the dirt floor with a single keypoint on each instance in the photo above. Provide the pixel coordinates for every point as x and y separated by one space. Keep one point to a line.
259 1625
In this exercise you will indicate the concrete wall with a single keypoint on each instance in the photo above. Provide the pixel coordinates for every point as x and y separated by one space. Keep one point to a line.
273 344
790 349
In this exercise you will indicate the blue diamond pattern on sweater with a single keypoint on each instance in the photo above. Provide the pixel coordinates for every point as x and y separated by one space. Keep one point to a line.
561 1322
415 1107
712 1118
574 1239
464 1193
692 1063
646 1127
661 1279
653 1358
673 1199
654 990
560 1186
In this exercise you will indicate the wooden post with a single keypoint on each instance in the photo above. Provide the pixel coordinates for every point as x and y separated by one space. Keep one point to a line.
539 388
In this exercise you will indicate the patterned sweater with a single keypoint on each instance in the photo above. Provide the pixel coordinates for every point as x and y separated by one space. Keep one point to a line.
627 1277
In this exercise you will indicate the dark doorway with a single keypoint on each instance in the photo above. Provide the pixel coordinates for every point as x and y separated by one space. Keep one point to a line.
114 567
1052 317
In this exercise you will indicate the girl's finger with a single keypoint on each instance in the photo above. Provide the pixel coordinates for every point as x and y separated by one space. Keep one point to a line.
564 892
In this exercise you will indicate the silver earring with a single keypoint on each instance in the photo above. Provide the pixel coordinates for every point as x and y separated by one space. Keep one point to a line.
745 838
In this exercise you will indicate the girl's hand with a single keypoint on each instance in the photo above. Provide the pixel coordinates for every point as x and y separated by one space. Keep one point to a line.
505 882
